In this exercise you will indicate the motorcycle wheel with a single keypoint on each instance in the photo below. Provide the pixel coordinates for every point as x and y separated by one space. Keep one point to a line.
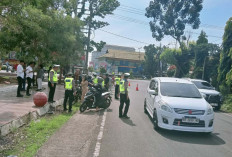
107 104
83 107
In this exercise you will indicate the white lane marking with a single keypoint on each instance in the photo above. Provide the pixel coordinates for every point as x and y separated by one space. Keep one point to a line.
226 114
99 137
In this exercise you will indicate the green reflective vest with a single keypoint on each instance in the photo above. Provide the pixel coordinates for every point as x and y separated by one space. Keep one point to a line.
68 83
103 84
95 81
122 87
117 80
55 78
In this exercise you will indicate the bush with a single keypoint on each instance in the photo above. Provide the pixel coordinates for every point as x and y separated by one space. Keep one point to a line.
171 72
227 105
3 67
224 89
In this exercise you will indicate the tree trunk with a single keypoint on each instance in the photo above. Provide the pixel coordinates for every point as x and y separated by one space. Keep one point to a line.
60 77
178 73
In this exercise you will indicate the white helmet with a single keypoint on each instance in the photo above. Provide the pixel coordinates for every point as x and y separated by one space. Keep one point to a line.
127 74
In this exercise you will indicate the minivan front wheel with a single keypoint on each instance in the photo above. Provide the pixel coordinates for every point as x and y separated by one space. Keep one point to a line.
145 107
155 121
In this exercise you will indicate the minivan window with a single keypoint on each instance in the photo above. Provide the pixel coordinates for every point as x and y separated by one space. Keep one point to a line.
172 89
203 85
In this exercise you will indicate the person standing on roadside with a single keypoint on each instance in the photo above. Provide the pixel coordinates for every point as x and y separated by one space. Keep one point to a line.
40 75
24 79
95 78
69 85
117 83
20 77
110 83
84 87
106 81
29 75
124 97
7 66
52 81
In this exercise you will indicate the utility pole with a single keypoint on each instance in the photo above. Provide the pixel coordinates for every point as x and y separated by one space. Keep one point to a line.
203 73
160 63
89 34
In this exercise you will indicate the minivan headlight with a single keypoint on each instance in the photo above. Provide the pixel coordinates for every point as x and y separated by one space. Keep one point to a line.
164 106
210 111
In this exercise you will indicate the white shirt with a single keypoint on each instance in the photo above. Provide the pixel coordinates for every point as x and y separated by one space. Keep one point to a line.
29 72
20 72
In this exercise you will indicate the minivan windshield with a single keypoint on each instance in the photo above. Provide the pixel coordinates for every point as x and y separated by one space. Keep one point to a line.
172 89
203 85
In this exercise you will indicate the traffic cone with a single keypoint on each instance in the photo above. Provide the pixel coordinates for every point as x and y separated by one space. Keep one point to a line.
137 87
129 84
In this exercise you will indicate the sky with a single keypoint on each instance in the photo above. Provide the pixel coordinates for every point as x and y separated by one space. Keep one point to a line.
213 16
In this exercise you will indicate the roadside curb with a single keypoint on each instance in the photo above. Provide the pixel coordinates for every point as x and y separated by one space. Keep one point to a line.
25 119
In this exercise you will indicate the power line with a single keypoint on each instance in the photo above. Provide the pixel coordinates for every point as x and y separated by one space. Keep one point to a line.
131 7
128 19
124 37
142 12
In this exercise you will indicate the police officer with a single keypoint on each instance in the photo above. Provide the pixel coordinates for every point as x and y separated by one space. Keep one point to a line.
124 97
52 81
95 82
117 83
69 85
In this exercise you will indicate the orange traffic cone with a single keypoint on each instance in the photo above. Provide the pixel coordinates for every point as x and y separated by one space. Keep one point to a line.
137 87
129 84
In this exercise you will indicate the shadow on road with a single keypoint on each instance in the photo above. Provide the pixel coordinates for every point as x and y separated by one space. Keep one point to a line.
100 112
194 138
109 110
191 137
128 121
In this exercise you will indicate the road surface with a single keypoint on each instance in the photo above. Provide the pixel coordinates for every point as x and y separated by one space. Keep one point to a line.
137 138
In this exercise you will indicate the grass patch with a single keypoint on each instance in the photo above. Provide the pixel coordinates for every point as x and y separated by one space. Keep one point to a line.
6 77
37 133
227 105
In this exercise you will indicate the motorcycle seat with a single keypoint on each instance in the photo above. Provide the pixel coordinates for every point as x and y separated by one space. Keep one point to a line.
106 93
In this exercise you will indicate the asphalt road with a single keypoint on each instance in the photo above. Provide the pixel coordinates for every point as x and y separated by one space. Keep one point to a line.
136 138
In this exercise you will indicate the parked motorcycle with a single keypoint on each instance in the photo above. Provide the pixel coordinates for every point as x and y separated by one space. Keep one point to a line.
78 93
89 100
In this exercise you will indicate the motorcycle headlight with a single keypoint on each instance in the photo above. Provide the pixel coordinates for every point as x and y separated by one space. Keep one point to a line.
210 110
164 106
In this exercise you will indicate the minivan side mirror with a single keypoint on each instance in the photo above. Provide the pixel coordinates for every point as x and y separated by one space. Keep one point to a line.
204 95
153 92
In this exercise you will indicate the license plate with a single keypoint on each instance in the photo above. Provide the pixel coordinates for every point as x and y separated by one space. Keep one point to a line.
214 104
190 120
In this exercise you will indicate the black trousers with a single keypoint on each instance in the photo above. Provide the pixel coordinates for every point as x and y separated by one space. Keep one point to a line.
51 91
116 91
123 99
20 82
29 80
24 84
68 95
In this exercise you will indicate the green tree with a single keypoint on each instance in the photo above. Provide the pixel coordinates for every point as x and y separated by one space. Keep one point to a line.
91 69
224 70
102 70
151 62
179 58
40 30
170 19
201 55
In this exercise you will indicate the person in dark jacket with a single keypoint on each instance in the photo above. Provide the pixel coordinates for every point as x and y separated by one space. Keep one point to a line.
107 81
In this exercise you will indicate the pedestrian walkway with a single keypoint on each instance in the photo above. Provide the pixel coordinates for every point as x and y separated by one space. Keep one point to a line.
76 138
12 107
